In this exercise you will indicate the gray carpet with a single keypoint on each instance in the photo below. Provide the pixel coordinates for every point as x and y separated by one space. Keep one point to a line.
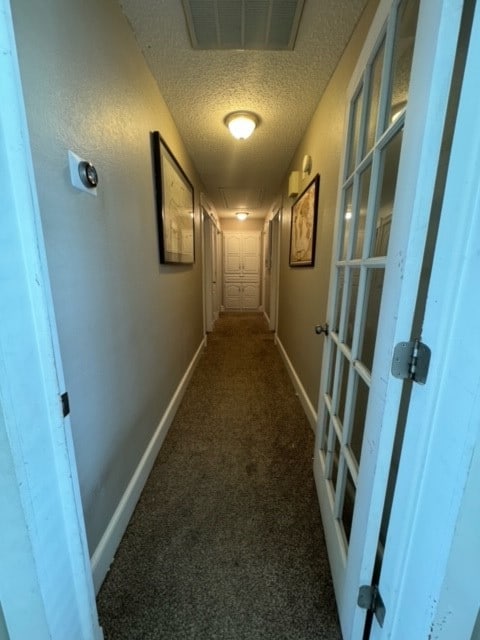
226 540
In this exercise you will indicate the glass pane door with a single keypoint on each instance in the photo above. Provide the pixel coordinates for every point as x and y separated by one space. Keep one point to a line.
373 147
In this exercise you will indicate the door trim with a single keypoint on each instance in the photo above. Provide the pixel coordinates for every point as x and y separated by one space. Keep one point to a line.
39 437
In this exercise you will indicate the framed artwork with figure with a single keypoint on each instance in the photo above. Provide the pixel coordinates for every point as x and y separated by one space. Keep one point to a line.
303 229
175 206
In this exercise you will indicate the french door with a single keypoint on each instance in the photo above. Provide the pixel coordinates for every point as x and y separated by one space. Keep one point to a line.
385 197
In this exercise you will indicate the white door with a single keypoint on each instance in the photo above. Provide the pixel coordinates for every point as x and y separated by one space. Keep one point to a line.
387 182
250 296
232 253
241 270
274 271
233 296
431 563
251 254
208 278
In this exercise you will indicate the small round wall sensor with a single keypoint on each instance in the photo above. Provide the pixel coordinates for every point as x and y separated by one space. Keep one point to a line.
88 174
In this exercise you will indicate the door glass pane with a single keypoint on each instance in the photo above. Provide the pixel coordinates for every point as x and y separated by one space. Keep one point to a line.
338 303
362 211
374 296
359 414
324 433
372 117
343 389
355 131
335 461
402 57
347 222
352 305
388 181
330 369
348 504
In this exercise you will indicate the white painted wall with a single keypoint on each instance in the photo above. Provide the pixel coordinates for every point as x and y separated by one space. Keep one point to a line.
128 327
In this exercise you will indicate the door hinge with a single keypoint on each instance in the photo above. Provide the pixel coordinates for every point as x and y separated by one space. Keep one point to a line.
411 361
369 598
65 404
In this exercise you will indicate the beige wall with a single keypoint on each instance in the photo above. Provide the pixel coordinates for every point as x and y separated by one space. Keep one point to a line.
303 291
128 327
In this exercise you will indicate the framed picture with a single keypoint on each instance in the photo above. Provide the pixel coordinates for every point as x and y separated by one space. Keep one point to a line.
175 206
304 226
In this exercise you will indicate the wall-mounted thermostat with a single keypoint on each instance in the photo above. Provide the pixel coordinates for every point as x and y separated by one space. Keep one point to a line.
83 174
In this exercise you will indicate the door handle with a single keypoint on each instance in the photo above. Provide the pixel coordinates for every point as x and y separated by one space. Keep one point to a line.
319 329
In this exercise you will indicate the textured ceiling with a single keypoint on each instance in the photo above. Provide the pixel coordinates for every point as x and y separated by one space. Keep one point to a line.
202 86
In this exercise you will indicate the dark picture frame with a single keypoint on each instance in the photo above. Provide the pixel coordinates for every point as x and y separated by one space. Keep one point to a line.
174 198
303 229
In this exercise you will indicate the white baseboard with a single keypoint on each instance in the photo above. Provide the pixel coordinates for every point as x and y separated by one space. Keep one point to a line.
265 315
104 553
302 394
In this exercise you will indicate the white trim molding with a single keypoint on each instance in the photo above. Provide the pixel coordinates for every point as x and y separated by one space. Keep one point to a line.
46 586
299 388
103 555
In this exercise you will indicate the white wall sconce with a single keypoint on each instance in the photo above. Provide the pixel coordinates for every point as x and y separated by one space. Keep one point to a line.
306 166
241 215
241 124
293 182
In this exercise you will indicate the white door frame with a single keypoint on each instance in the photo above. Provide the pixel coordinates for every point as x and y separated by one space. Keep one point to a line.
53 591
274 272
442 430
207 271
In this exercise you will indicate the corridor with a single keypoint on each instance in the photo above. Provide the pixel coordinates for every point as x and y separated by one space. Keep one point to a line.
226 540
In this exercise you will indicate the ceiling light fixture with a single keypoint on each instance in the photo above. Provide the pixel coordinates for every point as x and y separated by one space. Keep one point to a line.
241 124
242 215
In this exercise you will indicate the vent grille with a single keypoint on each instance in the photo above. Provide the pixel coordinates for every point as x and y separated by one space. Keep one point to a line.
243 24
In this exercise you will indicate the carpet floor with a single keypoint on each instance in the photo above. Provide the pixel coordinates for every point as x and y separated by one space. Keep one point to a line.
226 540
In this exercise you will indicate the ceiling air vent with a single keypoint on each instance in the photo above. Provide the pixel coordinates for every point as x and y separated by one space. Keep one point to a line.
242 198
243 24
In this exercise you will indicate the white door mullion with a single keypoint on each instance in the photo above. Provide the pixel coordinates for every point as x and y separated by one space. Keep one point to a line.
372 206
389 35
363 372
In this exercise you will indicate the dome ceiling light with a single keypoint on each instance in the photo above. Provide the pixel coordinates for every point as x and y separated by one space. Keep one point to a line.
241 124
241 215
